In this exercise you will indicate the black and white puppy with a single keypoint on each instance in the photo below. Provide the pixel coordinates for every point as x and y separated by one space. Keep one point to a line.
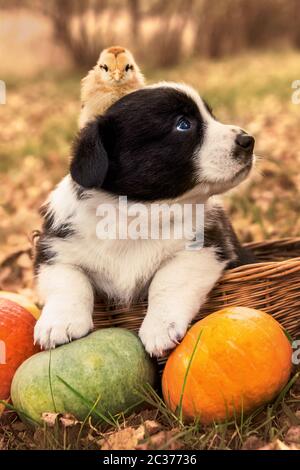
161 143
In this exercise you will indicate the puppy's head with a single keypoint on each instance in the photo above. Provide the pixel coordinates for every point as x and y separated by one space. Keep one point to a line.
159 142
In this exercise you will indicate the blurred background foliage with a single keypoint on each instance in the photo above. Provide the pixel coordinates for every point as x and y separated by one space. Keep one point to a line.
164 31
241 55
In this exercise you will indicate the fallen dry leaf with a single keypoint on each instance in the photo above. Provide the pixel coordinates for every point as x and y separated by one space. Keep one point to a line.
162 440
293 435
279 445
19 426
68 420
152 427
50 419
252 443
125 439
146 436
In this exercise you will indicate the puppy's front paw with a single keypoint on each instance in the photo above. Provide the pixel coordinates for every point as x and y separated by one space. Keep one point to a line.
159 336
61 326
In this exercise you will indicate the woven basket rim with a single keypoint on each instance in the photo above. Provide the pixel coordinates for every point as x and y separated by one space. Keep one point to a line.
262 270
271 285
279 242
267 269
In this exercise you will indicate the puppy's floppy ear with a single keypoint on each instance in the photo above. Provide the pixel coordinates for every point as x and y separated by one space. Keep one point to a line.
89 164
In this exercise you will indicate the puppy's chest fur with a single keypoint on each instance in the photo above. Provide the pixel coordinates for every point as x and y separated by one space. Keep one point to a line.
120 269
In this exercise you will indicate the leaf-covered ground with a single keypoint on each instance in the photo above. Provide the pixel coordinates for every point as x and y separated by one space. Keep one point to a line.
38 124
273 427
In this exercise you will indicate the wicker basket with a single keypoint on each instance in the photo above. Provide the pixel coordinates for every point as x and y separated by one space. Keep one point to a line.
272 285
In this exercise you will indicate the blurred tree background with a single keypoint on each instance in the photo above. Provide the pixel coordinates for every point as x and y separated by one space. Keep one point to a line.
165 31
242 55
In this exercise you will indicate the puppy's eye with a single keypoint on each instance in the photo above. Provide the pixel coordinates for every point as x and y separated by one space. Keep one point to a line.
183 124
128 67
104 67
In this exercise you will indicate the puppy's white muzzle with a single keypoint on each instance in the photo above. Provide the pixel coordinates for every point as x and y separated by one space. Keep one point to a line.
225 154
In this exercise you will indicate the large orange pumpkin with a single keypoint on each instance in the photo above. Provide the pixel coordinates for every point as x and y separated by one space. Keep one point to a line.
16 341
233 360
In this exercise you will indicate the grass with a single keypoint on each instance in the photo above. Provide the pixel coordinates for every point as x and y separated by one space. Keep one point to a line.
239 83
264 425
180 405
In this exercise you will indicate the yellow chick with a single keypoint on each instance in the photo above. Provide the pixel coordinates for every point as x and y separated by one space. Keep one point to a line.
116 74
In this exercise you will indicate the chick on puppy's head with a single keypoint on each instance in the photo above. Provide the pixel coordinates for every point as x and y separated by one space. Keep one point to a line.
117 66
115 75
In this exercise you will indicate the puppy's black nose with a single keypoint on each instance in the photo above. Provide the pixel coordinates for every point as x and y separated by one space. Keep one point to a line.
245 142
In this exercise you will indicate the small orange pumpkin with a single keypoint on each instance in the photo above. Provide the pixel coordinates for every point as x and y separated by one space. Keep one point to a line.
21 300
233 360
16 340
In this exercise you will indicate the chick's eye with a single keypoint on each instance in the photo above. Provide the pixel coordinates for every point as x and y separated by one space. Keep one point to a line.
104 67
183 124
128 67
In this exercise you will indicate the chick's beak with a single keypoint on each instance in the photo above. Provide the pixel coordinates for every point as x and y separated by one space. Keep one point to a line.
117 76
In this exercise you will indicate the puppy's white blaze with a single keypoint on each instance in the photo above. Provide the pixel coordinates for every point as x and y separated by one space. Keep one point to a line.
214 157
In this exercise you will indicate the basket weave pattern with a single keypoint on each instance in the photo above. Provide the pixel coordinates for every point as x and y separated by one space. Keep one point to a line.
272 285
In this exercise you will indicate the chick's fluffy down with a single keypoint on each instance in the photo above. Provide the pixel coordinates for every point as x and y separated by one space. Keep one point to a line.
116 74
